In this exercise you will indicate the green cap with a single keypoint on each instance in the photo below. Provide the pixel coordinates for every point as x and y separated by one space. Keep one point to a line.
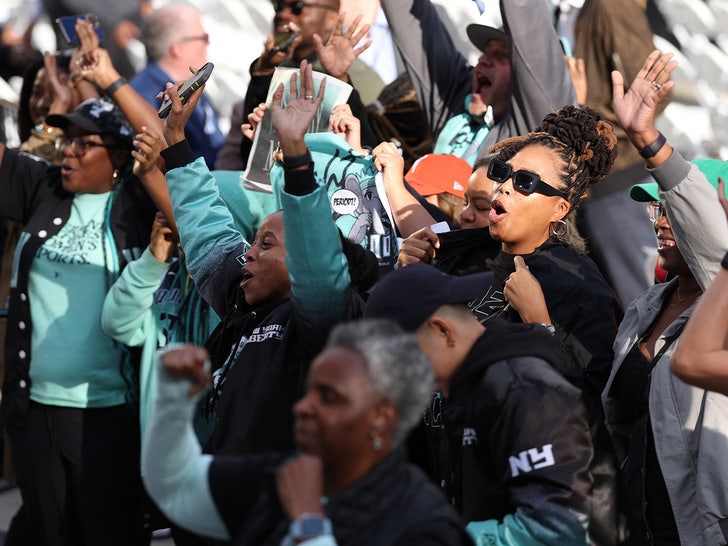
711 168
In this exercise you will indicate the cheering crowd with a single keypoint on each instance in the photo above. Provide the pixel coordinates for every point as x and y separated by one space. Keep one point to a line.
477 305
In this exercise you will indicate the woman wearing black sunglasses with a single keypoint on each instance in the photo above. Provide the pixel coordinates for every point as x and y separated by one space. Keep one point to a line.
540 274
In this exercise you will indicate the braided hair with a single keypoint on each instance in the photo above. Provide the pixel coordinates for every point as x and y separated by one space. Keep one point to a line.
583 139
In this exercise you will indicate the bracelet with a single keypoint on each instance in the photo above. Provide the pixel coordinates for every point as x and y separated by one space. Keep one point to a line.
114 86
651 149
724 263
293 162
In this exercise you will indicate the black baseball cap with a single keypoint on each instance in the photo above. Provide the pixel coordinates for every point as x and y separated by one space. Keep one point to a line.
97 115
410 295
480 35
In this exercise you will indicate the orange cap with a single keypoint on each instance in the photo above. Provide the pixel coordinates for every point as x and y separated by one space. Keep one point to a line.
439 173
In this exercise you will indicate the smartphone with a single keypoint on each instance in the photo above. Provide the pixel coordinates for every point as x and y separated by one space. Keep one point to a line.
192 84
285 39
566 46
67 25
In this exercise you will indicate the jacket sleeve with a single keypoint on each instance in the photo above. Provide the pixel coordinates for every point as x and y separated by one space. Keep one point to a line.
540 79
174 469
541 448
207 232
696 217
440 74
127 312
23 179
317 267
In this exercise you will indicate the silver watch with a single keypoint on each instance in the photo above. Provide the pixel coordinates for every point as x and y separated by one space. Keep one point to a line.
308 526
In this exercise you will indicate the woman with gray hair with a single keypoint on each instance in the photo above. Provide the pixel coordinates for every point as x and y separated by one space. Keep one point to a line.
347 484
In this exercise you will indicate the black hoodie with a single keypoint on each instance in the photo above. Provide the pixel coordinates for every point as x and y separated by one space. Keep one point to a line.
517 437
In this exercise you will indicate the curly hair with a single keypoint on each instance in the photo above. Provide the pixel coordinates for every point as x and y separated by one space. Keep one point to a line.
581 136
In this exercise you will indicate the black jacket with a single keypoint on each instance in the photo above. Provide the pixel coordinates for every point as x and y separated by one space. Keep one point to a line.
254 414
517 436
393 505
31 193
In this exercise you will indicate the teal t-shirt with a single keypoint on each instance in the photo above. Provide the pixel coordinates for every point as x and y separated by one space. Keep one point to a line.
463 135
73 362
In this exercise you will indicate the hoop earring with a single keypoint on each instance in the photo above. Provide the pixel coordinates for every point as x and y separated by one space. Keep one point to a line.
559 228
377 441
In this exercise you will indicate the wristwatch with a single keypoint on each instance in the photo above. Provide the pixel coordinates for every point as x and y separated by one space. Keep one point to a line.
308 526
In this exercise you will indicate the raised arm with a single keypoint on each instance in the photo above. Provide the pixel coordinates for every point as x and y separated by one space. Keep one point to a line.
206 228
174 469
696 216
317 267
439 72
409 214
540 79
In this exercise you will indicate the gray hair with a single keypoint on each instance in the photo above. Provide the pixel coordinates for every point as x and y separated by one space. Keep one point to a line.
163 27
398 368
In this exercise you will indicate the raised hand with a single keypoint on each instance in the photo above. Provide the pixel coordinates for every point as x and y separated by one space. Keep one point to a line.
636 108
174 124
344 123
292 122
338 52
254 118
163 239
270 57
146 155
188 362
58 86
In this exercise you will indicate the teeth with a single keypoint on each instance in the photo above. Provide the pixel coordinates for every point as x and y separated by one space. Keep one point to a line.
665 243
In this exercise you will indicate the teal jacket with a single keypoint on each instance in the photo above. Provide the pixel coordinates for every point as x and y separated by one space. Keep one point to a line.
267 349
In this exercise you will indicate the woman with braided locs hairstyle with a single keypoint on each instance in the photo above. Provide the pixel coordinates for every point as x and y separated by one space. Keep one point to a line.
541 276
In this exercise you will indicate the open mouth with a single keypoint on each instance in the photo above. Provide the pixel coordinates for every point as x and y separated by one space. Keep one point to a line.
247 277
663 244
497 211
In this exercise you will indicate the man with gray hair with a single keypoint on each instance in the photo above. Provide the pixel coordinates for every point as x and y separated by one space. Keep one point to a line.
175 40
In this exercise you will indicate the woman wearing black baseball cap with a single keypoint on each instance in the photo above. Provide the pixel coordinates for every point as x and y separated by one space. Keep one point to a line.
69 390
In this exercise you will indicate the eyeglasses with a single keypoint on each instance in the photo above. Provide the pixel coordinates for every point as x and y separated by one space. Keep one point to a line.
202 37
241 259
79 146
297 7
525 182
655 211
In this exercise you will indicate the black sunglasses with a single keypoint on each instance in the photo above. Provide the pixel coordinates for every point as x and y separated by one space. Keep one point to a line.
526 182
297 7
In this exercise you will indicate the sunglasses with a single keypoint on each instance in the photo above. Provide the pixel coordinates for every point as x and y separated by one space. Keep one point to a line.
655 211
297 7
525 182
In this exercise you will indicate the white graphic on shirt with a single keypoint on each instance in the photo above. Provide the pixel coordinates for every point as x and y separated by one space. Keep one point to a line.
470 437
532 459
